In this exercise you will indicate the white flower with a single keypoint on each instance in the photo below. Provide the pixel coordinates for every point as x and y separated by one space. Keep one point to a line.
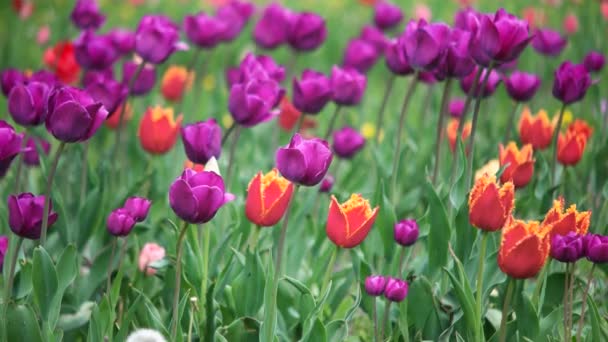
146 335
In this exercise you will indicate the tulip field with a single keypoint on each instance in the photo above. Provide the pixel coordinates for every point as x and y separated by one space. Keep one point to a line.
343 170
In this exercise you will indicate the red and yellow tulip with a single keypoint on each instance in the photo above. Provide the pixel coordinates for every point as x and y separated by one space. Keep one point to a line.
175 81
159 129
536 130
560 222
521 164
490 205
452 132
349 223
268 197
524 248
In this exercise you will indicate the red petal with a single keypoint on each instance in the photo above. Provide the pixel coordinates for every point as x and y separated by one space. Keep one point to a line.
524 260
253 205
337 226
486 212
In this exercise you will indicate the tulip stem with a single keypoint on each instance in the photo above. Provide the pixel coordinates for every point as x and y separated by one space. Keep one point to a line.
178 280
571 299
300 123
406 101
439 132
555 138
255 236
206 247
387 93
387 320
235 139
47 198
228 132
505 311
581 320
329 271
332 122
83 172
566 283
478 294
110 264
9 285
375 318
511 122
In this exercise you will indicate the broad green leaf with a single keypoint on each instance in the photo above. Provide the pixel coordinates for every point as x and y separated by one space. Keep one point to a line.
78 319
596 320
268 329
21 324
528 324
458 192
439 231
44 278
337 331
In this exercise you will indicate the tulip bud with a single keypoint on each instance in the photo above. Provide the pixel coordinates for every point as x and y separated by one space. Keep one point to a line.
490 205
236 14
425 44
304 161
387 15
395 290
571 82
150 253
452 132
156 38
10 78
123 40
347 141
86 15
138 207
522 86
271 30
31 156
3 249
374 285
360 55
456 61
347 85
312 92
158 130
548 42
62 61
10 146
570 147
120 222
349 223
27 104
175 81
568 248
396 59
144 82
594 61
268 197
202 141
251 103
456 108
596 248
535 130
375 37
493 81
406 232
327 183
204 30
306 31
95 52
25 215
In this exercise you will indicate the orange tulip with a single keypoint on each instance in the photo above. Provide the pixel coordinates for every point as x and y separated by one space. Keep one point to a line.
158 130
192 166
560 222
452 132
521 164
490 205
349 223
570 147
536 130
524 248
268 197
175 81
113 120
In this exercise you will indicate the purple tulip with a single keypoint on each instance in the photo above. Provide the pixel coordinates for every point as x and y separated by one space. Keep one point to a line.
202 140
360 54
374 36
138 207
258 67
271 30
387 15
107 91
25 215
522 86
347 141
425 44
86 15
156 38
31 155
456 61
427 77
73 115
396 59
493 81
395 290
596 248
406 232
571 82
95 52
10 146
549 42
375 285
508 67
120 222
235 14
244 9
123 40
10 78
306 31
347 86
327 183
94 76
197 196
144 82
594 61
312 92
456 107
496 39
251 102
27 103
567 248
44 76
304 161
3 249
204 30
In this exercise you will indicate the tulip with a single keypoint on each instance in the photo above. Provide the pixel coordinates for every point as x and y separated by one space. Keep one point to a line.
581 127
138 207
27 103
306 31
375 37
96 76
570 23
175 81
491 168
46 77
387 15
86 15
493 81
425 44
452 133
25 215
271 30
288 114
360 55
456 61
560 222
327 184
594 61
596 248
158 130
312 92
120 222
61 60
524 248
255 67
236 14
114 119
202 140
406 232
107 91
73 115
304 161
567 248
549 42
10 78
204 30
374 285
10 146
96 52
150 253
144 81
522 86
520 164
123 40
197 196
571 82
456 107
347 86
347 141
349 223
570 147
31 156
490 205
536 130
396 59
3 249
395 290
251 102
156 38
268 197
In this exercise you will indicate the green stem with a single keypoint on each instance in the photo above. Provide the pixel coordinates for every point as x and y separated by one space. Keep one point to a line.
329 270
478 294
581 320
387 93
439 132
253 242
228 132
9 286
571 300
510 123
235 139
505 311
406 101
47 198
206 248
554 143
387 320
538 295
178 280
110 264
375 317
83 172
565 304
332 122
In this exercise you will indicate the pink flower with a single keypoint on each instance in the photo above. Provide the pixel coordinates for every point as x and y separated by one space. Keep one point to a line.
42 37
571 23
604 10
422 11
149 254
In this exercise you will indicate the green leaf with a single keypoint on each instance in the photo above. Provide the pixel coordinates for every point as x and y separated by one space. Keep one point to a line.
318 332
458 192
464 294
21 324
337 331
439 231
596 320
23 280
44 278
268 330
78 319
66 270
528 324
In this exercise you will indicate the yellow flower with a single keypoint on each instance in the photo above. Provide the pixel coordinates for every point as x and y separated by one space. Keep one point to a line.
490 168
209 82
368 130
227 120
